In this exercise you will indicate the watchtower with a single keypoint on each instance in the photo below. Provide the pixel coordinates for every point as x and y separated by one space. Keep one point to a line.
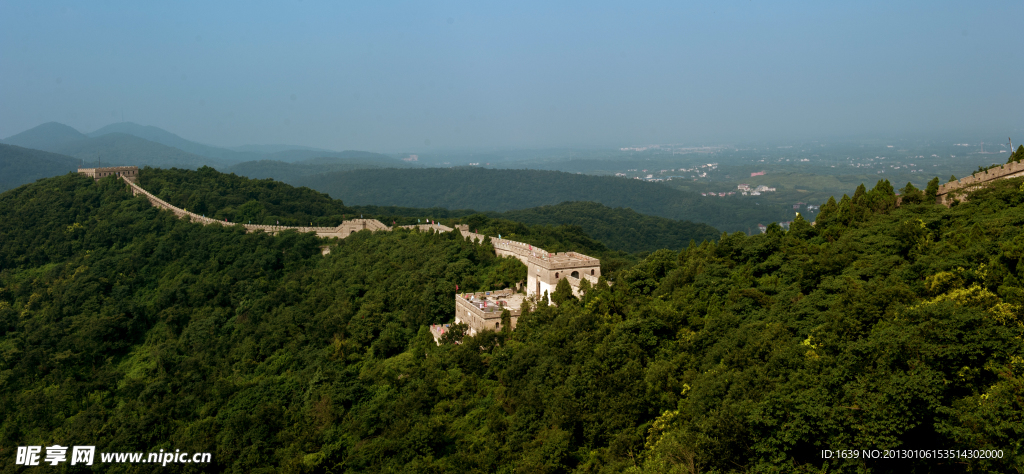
545 269
130 173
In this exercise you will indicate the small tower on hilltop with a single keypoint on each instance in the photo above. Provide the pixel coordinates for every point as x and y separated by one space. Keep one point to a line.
130 173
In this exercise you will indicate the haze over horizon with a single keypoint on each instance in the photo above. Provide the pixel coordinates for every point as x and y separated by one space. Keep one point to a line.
411 77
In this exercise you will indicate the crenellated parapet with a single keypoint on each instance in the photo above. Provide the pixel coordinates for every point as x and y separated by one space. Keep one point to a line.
957 190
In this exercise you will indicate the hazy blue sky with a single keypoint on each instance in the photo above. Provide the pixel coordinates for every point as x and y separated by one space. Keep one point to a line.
390 76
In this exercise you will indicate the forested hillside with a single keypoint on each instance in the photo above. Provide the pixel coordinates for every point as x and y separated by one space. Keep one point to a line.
880 328
238 199
505 190
23 165
297 171
584 227
619 229
622 229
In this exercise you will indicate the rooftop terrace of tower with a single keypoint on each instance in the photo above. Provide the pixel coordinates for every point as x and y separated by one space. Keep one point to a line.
553 261
482 311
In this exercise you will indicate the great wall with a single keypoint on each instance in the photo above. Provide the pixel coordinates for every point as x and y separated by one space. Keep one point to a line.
479 311
957 190
483 310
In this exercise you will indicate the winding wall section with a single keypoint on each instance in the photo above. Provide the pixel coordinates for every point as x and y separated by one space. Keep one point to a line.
545 269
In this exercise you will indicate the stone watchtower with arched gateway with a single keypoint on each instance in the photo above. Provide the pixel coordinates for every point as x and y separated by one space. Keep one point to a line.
545 269
482 311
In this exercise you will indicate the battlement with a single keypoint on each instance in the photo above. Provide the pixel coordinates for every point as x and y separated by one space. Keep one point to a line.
426 227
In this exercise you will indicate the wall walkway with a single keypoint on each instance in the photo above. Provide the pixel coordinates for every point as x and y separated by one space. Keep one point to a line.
344 230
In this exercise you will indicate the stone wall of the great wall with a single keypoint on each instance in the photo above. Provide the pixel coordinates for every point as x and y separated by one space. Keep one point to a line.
344 230
544 269
962 186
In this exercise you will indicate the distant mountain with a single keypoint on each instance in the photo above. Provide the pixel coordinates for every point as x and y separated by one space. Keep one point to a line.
49 136
19 165
111 148
163 137
121 149
286 153
240 154
128 143
273 148
297 156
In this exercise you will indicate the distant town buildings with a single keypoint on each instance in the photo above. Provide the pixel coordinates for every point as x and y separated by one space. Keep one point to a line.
748 191
674 149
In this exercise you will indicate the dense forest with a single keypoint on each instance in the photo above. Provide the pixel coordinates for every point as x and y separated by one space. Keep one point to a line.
881 327
505 190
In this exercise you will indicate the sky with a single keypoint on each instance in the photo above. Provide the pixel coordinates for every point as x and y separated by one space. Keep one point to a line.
425 76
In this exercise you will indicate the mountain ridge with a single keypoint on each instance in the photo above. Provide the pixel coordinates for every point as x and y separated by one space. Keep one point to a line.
128 143
163 137
49 136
